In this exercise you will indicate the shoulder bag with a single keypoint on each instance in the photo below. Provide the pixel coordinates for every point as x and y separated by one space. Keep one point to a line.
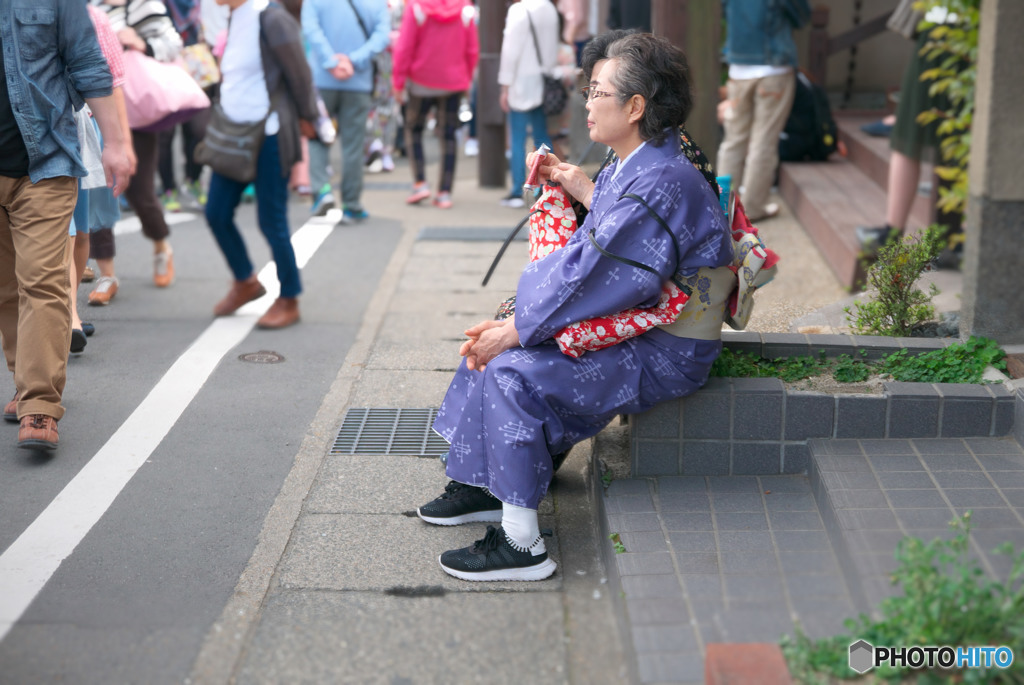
555 94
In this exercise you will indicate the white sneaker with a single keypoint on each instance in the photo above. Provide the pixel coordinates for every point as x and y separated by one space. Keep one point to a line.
513 200
472 148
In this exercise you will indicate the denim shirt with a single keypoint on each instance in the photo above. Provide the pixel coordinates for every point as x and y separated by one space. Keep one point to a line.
761 31
53 61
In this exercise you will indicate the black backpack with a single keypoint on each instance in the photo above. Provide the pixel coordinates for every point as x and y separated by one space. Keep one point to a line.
810 132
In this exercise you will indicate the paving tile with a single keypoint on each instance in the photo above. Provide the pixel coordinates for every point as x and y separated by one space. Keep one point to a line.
849 462
951 462
1003 446
652 587
705 416
686 521
816 585
790 501
658 611
726 520
901 480
994 517
975 497
860 416
665 638
684 501
721 484
737 501
630 523
915 499
628 486
1015 496
742 540
877 588
889 447
990 539
630 504
962 479
804 540
703 588
644 563
862 541
1001 463
763 623
651 541
939 446
670 667
898 462
756 458
697 562
681 484
788 483
693 542
823 617
705 458
867 519
819 561
752 587
868 563
857 480
795 520
914 418
809 415
925 518
929 534
858 499
748 562
839 447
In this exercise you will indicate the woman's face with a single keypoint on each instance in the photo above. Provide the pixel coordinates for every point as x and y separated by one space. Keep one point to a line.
608 120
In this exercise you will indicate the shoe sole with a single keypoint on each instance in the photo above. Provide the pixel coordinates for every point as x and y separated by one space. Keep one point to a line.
489 516
37 445
99 303
416 199
11 418
527 573
78 342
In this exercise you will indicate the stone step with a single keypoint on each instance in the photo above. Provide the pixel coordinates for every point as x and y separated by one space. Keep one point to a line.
873 493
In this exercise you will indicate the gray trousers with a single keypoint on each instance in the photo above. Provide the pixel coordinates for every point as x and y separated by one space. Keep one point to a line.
350 110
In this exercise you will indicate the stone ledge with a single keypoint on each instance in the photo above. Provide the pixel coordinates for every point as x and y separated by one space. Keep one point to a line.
748 663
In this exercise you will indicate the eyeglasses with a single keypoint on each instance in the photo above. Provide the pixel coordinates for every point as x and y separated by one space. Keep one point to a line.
592 93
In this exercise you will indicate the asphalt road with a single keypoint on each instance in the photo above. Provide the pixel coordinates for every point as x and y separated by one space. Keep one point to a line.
134 533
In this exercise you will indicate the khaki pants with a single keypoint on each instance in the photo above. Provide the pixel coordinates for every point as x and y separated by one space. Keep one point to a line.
35 311
750 150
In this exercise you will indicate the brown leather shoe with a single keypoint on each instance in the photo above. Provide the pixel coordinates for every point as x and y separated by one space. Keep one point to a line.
241 293
11 409
284 312
38 432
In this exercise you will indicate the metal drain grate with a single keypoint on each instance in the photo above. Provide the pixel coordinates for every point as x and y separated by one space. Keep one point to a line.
389 431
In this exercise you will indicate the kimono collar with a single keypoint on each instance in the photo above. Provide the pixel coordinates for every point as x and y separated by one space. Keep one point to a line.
622 162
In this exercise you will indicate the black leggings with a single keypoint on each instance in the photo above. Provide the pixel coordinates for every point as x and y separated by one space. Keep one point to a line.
448 120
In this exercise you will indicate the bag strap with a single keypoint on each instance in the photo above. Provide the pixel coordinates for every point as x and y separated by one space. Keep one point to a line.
625 260
536 44
362 25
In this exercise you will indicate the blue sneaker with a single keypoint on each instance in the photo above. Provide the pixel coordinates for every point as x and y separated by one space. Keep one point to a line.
355 214
323 202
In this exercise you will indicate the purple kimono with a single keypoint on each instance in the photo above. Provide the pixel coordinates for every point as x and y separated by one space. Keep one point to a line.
505 422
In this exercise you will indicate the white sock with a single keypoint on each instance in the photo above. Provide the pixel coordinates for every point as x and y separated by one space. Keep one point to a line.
522 528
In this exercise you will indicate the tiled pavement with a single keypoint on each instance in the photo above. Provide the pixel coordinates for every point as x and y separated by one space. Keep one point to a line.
747 558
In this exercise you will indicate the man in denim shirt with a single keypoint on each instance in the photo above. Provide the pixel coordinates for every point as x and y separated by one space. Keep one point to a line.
761 54
51 60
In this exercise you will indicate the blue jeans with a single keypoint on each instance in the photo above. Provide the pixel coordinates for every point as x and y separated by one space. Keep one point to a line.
518 122
272 213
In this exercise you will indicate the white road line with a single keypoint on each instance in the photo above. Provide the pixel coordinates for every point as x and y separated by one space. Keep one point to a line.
29 563
133 225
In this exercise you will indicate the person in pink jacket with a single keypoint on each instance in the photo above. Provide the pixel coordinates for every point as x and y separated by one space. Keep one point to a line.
434 59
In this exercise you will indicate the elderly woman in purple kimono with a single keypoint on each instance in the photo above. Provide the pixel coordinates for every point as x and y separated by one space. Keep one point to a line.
517 399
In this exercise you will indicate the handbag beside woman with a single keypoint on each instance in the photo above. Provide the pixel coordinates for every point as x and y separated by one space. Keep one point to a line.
266 93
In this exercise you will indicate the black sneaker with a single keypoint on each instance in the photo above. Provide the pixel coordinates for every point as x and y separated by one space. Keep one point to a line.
461 504
497 558
872 238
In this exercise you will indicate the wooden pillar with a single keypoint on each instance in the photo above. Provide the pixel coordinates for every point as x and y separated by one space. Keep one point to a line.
490 117
696 27
993 255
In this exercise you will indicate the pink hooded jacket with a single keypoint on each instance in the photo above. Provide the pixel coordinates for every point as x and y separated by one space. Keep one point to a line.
437 46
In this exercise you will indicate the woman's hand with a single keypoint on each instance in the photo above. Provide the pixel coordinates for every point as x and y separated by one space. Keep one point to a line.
487 340
573 179
131 40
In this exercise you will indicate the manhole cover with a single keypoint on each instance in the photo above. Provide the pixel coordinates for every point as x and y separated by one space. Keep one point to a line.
262 357
390 431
